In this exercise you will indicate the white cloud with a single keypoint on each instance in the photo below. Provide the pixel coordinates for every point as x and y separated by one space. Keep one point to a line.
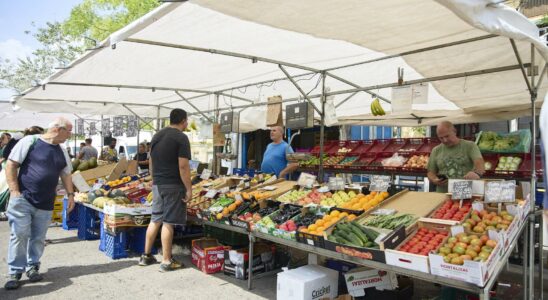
13 49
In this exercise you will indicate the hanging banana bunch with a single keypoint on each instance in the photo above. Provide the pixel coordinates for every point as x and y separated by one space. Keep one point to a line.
376 108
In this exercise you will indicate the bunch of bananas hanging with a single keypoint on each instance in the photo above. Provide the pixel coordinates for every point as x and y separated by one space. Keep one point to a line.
376 108
191 127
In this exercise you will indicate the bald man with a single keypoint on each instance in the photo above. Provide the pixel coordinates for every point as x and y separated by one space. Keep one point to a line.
274 160
453 158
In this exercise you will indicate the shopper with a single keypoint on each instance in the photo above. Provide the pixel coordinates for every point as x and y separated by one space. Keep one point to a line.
4 140
170 169
17 136
453 158
88 151
142 157
69 153
109 152
274 159
33 171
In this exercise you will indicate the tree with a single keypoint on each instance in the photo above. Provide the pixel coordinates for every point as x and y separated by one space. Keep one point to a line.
62 42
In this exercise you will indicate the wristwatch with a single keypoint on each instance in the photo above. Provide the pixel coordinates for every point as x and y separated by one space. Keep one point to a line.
70 194
477 173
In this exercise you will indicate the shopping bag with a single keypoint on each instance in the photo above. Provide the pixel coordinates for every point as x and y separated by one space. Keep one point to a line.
274 115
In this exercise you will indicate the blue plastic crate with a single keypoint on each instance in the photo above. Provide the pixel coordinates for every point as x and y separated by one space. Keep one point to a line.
137 239
88 223
70 221
102 233
115 245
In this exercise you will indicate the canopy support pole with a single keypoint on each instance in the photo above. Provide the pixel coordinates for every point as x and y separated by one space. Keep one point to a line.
193 106
322 129
236 97
300 89
357 86
131 111
158 119
189 98
346 99
529 288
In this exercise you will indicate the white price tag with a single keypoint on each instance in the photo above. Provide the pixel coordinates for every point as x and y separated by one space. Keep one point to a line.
238 197
206 173
323 189
269 188
224 190
336 183
306 180
211 194
379 183
384 212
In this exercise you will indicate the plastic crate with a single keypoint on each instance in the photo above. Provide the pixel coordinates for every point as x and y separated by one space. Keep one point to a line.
379 145
395 145
376 164
429 144
412 145
493 159
137 239
364 160
89 223
350 145
326 147
70 221
115 245
362 148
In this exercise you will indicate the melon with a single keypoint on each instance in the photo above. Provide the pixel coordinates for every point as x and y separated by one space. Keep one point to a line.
116 193
83 166
92 162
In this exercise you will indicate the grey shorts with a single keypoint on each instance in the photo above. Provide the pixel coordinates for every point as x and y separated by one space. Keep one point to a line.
167 204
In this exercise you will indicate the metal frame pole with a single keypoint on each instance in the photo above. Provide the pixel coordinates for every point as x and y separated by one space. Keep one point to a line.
158 119
322 129
193 106
300 89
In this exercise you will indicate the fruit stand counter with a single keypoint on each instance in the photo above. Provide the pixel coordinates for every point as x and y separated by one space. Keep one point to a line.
483 292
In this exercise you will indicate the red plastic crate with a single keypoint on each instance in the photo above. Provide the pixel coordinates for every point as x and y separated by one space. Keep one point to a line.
364 160
342 144
395 145
525 167
379 145
376 164
410 169
326 146
362 148
412 145
429 144
519 170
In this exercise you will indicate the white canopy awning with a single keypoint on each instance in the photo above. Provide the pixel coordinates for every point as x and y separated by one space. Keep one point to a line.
184 54
15 118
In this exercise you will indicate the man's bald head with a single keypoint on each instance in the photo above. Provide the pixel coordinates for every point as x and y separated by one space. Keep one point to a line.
447 133
276 134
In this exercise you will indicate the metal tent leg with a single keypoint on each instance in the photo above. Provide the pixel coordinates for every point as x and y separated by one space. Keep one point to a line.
250 276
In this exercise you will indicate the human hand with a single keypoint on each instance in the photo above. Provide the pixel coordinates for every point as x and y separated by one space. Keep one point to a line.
188 196
471 176
71 203
440 181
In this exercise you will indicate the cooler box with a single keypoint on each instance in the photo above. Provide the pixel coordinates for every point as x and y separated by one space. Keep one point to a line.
307 283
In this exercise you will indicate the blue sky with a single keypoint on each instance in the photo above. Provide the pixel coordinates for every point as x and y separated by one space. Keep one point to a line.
17 16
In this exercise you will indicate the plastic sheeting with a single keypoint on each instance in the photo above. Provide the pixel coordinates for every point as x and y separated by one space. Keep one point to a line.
140 77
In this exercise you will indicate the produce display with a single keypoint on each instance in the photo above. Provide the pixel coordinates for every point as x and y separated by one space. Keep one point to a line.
424 241
451 210
394 161
279 217
333 160
83 165
365 202
326 221
221 207
293 196
257 194
338 198
467 247
508 163
417 161
349 160
313 161
492 141
352 234
343 150
389 222
255 217
376 108
482 221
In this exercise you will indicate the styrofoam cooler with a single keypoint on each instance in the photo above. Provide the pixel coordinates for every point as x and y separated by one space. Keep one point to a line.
307 283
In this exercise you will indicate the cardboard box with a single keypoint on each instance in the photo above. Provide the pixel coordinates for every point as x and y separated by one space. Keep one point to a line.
208 255
237 261
511 232
124 210
307 283
360 279
111 172
126 220
477 273
412 261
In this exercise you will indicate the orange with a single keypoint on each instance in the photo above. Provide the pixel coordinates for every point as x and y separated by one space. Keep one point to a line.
373 193
320 222
304 230
320 229
344 214
312 227
226 211
335 213
355 207
232 207
327 218
351 217
385 194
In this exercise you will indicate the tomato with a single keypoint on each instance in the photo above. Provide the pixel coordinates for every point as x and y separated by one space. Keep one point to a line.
433 242
424 253
414 251
440 236
433 231
430 247
430 235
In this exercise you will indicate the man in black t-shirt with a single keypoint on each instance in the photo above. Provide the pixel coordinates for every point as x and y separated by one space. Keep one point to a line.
142 157
171 189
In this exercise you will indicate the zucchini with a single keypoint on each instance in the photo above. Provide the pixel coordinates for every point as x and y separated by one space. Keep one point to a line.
348 240
357 231
371 234
355 239
343 241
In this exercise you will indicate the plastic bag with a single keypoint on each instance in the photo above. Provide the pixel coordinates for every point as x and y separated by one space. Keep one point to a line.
393 161
513 142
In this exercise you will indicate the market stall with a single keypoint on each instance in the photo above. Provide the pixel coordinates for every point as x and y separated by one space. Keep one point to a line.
460 56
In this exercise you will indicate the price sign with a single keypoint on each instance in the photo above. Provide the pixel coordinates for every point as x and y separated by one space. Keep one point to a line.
79 126
92 128
132 126
379 183
336 183
211 194
105 127
118 126
306 180
206 173
462 189
225 190
500 191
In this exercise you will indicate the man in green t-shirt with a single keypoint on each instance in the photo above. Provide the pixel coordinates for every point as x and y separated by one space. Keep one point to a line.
453 158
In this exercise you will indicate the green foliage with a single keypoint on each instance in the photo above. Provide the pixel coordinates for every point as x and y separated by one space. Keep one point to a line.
63 42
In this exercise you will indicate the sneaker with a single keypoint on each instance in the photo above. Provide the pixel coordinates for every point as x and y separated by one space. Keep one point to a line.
173 265
3 216
13 282
147 259
34 275
186 250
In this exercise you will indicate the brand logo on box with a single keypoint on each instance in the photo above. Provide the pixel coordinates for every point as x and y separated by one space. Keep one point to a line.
214 266
366 281
321 292
454 268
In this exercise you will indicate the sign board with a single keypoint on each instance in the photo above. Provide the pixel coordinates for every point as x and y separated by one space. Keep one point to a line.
500 191
211 194
306 180
132 126
92 128
336 184
379 183
118 125
80 126
420 93
402 98
462 189
206 173
105 127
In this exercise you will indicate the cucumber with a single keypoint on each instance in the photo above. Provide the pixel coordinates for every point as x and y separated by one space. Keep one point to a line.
357 231
332 238
343 234
355 239
369 244
371 234
343 241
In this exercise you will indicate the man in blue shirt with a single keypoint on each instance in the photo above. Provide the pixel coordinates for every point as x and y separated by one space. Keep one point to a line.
32 172
274 160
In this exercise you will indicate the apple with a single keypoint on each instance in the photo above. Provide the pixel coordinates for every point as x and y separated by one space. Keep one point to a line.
484 255
471 253
458 250
452 240
476 242
486 249
464 239
445 250
457 261
491 243
475 248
